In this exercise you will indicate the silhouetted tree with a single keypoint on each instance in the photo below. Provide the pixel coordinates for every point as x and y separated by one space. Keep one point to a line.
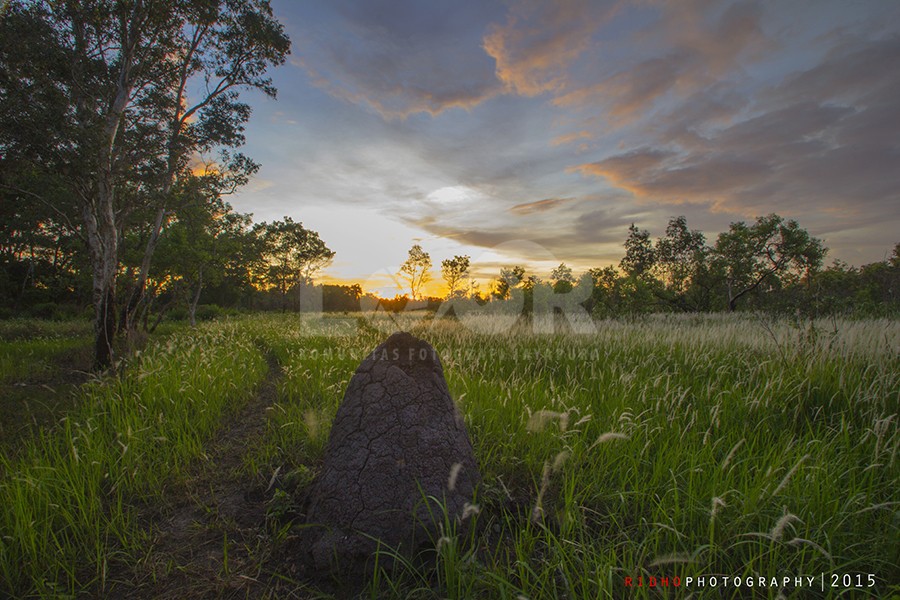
562 278
509 278
293 254
454 271
639 255
681 260
416 270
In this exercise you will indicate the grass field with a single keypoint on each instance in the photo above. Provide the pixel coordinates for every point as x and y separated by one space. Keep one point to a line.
648 453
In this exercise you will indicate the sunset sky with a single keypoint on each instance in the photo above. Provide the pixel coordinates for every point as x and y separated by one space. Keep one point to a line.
535 132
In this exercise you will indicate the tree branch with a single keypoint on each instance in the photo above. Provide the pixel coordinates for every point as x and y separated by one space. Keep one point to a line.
49 205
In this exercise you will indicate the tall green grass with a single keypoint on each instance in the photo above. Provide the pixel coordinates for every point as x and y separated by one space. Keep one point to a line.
66 498
669 446
665 447
35 359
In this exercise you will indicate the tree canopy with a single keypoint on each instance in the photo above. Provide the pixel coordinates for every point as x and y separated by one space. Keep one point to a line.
107 102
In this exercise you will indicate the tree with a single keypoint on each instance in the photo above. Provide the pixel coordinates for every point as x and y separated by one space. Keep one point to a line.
604 297
454 271
110 114
679 254
562 278
510 277
293 253
681 260
639 255
39 262
749 255
341 297
416 270
201 245
229 45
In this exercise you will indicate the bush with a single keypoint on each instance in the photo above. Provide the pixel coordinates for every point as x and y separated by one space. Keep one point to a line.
208 312
43 310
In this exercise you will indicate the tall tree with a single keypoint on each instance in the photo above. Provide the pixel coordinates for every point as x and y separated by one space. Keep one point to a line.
681 260
679 254
416 270
118 74
454 271
750 255
228 46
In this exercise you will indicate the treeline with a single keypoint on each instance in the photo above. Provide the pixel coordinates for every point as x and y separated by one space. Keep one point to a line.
207 254
770 265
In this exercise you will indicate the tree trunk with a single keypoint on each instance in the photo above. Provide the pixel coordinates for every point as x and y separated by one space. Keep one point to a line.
103 248
138 291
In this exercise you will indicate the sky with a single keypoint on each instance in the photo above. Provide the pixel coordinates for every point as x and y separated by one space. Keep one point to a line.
534 133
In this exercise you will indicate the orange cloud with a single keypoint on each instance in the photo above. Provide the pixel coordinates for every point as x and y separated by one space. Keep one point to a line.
572 137
528 208
627 94
539 41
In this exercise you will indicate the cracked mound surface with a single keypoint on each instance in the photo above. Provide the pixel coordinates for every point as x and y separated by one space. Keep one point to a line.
397 440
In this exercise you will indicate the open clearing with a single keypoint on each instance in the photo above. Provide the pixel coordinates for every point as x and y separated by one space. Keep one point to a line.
728 446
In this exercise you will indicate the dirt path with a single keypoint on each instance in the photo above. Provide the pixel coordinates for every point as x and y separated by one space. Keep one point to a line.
210 539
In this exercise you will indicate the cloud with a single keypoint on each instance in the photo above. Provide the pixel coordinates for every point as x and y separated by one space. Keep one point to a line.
691 46
575 136
398 59
852 70
821 144
636 110
626 170
537 206
540 40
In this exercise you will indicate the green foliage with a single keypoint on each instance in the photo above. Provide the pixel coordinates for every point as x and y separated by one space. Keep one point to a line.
292 253
103 115
772 251
639 253
562 279
770 265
